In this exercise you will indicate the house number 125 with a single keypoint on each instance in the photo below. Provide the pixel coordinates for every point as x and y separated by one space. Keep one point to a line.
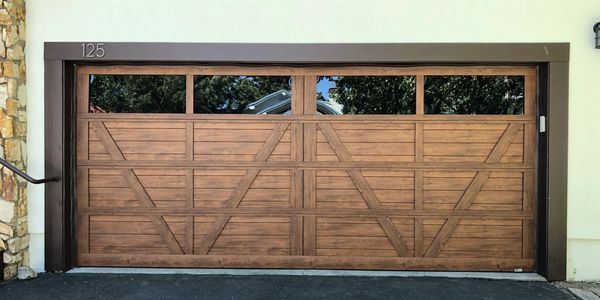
90 50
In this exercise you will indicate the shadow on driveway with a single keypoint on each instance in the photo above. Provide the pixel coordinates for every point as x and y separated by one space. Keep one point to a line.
129 286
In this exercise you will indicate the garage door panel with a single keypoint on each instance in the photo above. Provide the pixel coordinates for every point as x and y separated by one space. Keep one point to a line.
486 244
126 234
479 254
350 230
204 197
358 252
373 125
142 134
208 125
145 147
129 250
126 240
239 133
368 134
257 244
140 156
400 199
449 135
136 124
470 159
345 242
503 184
131 228
512 200
235 228
409 190
473 149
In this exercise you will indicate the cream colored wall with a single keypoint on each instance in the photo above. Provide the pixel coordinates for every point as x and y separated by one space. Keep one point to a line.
340 21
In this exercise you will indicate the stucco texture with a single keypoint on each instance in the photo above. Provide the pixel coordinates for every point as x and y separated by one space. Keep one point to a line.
341 21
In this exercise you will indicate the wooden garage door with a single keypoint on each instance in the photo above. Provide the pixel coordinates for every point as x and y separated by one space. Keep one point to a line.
437 184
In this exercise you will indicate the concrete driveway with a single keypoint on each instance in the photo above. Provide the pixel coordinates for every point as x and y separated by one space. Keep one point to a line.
131 286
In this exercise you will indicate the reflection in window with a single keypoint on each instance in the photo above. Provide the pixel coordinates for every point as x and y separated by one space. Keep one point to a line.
137 94
242 94
366 95
489 95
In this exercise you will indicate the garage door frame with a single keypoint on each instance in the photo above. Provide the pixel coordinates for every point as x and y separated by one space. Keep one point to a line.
552 60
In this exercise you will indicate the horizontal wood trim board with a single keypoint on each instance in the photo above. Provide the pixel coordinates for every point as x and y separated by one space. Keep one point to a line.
306 118
307 71
307 212
272 261
389 166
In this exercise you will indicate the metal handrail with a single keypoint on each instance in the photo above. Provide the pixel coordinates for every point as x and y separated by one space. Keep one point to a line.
25 176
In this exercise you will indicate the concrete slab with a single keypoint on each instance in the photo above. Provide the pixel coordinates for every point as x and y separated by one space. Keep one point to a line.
300 272
584 294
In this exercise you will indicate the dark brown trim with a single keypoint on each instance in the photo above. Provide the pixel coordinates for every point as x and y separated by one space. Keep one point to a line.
557 149
317 53
552 58
54 141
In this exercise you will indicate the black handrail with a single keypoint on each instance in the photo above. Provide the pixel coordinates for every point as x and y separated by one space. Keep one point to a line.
25 176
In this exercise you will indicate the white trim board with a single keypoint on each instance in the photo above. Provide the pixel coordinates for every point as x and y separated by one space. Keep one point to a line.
301 272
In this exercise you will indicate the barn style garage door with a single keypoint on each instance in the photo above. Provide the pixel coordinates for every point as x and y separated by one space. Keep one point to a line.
273 167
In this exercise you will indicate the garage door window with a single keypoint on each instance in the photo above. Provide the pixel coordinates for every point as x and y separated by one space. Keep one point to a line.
218 94
474 95
366 95
137 94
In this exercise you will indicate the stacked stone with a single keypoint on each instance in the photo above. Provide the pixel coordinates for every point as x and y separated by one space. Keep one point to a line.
14 239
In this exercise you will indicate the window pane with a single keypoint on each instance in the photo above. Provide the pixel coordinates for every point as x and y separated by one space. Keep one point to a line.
242 94
487 95
366 95
137 94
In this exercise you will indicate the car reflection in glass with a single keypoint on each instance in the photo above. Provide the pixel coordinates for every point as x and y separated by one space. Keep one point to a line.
280 103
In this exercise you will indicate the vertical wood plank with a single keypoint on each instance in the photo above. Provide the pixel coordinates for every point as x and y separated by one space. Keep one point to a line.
297 95
529 154
529 191
418 237
189 201
529 243
419 138
529 143
419 189
83 233
189 140
83 220
189 94
530 94
310 142
297 139
296 222
419 133
83 140
310 189
420 85
310 95
83 93
83 187
310 222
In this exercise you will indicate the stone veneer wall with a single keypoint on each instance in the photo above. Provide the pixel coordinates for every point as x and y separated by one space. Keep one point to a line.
14 239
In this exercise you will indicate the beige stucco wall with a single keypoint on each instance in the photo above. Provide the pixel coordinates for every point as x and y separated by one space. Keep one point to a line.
339 21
